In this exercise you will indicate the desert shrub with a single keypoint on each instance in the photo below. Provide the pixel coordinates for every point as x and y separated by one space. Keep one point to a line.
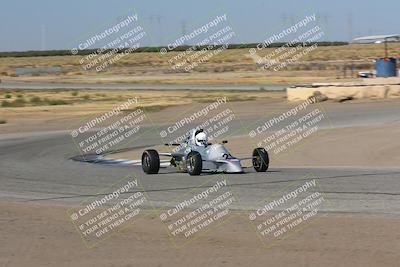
36 100
56 102
5 104
20 102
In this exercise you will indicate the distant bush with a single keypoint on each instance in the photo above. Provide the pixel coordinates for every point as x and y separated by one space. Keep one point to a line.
86 97
56 102
5 103
8 95
74 93
3 121
20 102
36 100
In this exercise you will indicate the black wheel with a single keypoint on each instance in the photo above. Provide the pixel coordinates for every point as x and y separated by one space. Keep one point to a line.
194 163
150 161
260 159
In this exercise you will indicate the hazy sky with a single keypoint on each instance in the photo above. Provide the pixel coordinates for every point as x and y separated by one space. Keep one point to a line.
60 24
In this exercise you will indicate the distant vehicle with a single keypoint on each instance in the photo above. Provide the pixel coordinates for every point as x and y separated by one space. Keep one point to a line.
367 74
195 155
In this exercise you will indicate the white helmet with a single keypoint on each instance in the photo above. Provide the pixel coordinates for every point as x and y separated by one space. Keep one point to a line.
201 139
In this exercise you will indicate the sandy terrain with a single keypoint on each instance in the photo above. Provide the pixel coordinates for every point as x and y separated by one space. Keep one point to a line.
38 235
44 117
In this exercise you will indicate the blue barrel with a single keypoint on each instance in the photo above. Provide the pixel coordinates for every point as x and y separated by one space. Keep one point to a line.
386 67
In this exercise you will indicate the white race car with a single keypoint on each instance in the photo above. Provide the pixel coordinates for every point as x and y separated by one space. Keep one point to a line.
195 155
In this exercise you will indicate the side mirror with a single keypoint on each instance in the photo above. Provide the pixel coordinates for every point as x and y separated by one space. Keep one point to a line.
225 142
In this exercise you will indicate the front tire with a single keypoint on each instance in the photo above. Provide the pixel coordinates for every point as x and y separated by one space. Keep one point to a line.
194 163
150 161
260 159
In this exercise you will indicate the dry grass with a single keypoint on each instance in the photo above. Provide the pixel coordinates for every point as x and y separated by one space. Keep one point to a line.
234 56
32 117
87 102
230 66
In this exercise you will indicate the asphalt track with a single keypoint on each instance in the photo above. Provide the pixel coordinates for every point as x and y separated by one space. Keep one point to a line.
37 168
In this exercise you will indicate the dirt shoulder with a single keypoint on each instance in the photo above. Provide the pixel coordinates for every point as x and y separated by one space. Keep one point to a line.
48 110
42 235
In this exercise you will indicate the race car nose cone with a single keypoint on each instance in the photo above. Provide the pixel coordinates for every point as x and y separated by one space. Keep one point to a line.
232 166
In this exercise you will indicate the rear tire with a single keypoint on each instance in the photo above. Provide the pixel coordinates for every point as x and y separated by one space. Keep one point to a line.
260 159
194 163
150 161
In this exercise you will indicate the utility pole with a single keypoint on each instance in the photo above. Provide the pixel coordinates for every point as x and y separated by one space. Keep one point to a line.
284 18
184 29
157 19
42 37
350 26
326 20
292 20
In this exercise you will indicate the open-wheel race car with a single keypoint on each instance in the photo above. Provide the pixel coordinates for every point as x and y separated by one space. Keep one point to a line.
195 155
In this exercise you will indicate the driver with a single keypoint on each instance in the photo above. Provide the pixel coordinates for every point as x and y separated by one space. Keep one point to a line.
201 138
